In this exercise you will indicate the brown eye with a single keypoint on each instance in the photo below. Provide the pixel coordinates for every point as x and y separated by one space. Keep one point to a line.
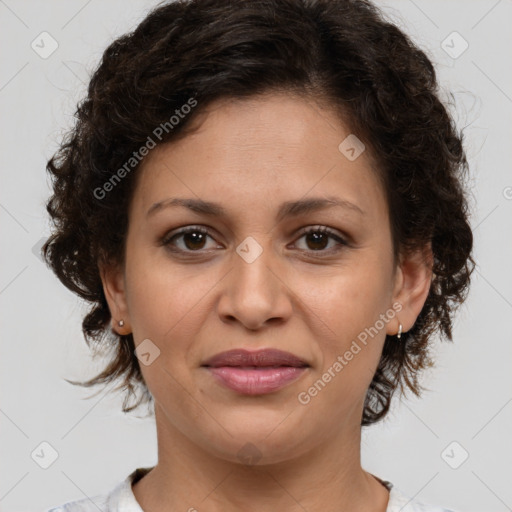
317 239
193 239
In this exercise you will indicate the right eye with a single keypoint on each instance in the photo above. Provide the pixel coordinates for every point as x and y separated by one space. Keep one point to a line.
193 239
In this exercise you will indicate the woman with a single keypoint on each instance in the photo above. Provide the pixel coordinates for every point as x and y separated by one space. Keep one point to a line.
263 203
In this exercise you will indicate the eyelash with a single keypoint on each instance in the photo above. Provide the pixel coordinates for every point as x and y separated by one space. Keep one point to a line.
167 239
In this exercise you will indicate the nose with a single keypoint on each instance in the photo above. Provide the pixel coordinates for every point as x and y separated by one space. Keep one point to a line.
254 292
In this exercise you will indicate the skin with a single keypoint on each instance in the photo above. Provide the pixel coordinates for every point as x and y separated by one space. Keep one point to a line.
204 302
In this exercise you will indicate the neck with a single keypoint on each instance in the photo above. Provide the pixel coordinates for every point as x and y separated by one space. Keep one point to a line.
326 478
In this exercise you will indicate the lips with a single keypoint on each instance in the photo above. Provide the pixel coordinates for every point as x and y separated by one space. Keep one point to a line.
262 358
255 372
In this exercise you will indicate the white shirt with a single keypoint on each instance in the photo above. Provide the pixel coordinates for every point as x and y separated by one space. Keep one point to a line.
122 499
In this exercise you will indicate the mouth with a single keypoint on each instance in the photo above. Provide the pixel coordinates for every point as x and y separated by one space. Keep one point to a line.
267 358
255 372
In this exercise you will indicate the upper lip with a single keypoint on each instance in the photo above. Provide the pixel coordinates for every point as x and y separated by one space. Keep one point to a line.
265 357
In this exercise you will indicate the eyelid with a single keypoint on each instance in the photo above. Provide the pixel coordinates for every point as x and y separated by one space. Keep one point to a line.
321 228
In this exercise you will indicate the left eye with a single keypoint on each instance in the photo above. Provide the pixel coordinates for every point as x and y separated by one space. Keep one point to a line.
194 239
318 236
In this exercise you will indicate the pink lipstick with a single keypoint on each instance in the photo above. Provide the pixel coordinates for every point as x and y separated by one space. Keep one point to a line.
255 372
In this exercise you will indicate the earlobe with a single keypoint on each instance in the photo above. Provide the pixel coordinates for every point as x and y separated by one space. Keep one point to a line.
412 285
112 279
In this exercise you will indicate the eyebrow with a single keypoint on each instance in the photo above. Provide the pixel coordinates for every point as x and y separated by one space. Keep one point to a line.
287 209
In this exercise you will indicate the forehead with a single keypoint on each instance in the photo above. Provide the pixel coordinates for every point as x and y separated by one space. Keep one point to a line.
254 152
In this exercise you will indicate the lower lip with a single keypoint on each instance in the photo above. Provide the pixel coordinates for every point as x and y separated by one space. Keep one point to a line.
256 381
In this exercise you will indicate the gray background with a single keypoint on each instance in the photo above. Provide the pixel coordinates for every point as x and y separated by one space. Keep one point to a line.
470 397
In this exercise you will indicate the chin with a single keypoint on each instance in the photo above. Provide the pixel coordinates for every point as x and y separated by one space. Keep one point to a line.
261 440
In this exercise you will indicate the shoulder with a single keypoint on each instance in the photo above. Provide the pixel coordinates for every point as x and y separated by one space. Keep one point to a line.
400 502
83 505
120 498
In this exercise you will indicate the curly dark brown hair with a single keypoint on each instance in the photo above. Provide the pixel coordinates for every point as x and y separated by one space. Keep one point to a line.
341 52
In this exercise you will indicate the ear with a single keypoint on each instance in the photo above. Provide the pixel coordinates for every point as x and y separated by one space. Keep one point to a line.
114 286
412 284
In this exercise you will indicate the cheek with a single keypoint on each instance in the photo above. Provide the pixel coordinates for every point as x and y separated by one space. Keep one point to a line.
167 302
165 308
346 302
347 324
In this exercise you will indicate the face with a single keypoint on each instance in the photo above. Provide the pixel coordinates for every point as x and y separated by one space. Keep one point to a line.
250 278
